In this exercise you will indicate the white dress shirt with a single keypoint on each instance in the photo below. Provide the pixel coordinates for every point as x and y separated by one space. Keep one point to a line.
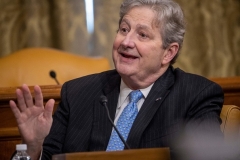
123 99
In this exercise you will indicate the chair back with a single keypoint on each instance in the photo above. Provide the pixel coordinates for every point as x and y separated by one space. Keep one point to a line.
230 126
33 65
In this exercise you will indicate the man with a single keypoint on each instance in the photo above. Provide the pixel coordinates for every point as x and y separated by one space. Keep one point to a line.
174 110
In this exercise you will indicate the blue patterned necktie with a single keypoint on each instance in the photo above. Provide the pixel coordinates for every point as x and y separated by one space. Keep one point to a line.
125 122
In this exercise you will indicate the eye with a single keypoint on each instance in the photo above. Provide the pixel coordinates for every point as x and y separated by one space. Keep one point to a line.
143 35
123 30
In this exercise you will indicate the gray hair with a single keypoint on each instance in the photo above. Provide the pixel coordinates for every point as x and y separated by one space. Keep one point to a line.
169 18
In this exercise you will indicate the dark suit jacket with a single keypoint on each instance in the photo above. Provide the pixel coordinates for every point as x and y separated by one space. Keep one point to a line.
178 103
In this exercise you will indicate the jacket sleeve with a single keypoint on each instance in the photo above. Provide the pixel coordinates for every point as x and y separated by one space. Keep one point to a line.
203 138
53 143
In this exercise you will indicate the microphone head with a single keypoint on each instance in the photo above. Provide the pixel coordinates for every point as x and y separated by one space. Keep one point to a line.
52 74
103 99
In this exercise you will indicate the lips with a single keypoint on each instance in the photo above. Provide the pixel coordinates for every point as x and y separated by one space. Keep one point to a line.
128 56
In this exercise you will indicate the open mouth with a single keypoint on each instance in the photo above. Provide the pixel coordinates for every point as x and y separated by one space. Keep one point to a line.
128 56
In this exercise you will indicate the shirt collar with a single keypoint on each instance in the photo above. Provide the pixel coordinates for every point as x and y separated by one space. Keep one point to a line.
125 90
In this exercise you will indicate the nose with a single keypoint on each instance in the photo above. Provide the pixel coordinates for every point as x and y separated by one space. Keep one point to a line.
128 41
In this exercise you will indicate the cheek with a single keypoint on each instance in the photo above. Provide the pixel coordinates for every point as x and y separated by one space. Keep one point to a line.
115 47
116 42
152 55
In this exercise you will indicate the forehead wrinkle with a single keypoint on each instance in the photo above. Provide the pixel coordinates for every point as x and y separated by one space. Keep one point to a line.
153 23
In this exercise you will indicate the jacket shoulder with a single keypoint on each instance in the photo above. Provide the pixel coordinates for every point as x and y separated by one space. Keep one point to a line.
189 78
92 79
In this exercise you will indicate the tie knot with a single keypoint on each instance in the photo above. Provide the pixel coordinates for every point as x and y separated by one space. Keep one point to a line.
135 96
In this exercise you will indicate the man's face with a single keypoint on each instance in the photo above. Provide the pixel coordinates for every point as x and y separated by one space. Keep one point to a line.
137 49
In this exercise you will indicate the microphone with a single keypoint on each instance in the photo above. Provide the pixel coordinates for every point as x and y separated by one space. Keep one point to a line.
53 75
104 102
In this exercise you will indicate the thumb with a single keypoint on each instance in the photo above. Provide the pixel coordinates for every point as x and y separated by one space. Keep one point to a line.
49 108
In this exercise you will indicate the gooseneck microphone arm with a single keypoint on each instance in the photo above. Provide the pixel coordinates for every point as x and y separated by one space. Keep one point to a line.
104 102
54 76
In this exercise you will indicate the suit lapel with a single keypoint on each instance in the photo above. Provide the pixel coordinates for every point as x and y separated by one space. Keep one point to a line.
156 96
102 127
111 91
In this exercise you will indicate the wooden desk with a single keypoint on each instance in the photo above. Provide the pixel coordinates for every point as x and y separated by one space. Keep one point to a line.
9 135
139 154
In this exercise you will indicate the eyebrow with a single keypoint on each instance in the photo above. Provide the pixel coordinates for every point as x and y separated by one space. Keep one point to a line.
125 20
143 27
138 25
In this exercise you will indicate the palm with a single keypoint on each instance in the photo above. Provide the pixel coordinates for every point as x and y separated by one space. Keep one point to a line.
33 125
33 119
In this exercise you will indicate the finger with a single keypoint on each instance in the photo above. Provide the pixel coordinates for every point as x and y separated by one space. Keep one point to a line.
20 100
38 96
49 108
27 96
14 109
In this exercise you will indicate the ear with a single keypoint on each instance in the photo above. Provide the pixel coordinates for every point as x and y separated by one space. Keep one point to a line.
170 53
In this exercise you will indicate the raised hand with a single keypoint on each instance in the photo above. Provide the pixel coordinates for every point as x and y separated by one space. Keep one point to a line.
33 119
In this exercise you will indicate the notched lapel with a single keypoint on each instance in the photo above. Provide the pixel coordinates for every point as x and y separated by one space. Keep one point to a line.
102 127
156 96
111 91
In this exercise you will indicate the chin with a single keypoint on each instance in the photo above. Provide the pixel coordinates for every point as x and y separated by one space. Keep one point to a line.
126 71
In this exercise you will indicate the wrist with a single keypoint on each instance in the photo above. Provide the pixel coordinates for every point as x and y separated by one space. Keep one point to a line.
34 149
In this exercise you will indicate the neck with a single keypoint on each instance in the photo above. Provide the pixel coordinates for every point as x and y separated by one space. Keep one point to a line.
136 83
